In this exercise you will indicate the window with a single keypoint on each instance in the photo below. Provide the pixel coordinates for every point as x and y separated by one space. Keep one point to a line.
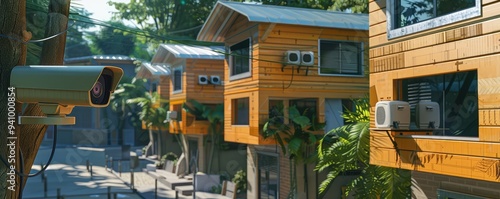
306 107
410 16
269 176
340 58
240 60
177 80
276 111
456 95
241 111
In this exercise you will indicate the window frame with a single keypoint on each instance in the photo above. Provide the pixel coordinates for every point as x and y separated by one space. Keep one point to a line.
230 61
427 24
174 91
361 61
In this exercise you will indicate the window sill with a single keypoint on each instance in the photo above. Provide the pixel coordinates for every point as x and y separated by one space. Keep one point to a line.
441 137
239 76
339 75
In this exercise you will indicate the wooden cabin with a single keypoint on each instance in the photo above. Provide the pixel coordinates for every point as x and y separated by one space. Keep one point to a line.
158 76
257 75
158 80
196 74
278 57
446 53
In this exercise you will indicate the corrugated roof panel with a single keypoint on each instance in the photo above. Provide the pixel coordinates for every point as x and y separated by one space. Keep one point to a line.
157 69
195 52
299 16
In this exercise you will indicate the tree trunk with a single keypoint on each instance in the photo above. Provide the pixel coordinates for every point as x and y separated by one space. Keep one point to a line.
150 131
52 54
12 53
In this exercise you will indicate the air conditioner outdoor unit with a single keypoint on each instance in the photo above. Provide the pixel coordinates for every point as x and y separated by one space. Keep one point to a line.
171 115
215 79
202 79
292 57
428 115
307 58
392 114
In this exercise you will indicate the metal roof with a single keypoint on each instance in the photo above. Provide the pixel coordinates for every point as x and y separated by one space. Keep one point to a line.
195 52
99 57
148 70
287 15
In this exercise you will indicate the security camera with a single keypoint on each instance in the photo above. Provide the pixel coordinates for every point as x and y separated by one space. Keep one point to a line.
57 89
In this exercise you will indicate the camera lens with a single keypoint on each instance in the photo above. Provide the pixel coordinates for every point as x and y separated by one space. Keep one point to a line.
98 89
99 94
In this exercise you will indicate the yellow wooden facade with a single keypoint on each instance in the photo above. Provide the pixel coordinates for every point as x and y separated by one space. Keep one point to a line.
267 81
208 94
471 44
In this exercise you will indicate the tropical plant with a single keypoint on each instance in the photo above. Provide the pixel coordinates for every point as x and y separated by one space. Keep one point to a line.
240 179
347 148
125 112
215 116
294 137
152 113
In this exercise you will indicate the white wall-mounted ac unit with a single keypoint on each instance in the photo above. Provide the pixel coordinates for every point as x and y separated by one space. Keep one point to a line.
392 114
215 79
292 57
427 115
202 79
171 115
306 58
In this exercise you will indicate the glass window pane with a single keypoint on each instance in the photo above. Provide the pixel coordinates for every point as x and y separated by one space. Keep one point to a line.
449 6
456 95
241 111
177 80
268 176
413 11
241 57
340 57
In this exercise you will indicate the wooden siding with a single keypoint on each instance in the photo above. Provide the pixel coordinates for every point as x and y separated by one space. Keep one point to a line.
191 90
472 44
163 88
267 81
469 159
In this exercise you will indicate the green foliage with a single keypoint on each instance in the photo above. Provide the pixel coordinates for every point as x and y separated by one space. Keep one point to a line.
355 6
169 156
165 17
152 112
216 189
295 136
347 148
215 116
112 41
240 179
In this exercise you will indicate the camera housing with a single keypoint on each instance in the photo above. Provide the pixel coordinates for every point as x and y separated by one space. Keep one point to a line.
57 89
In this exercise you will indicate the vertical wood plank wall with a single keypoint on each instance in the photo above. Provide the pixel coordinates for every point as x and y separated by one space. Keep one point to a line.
472 44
